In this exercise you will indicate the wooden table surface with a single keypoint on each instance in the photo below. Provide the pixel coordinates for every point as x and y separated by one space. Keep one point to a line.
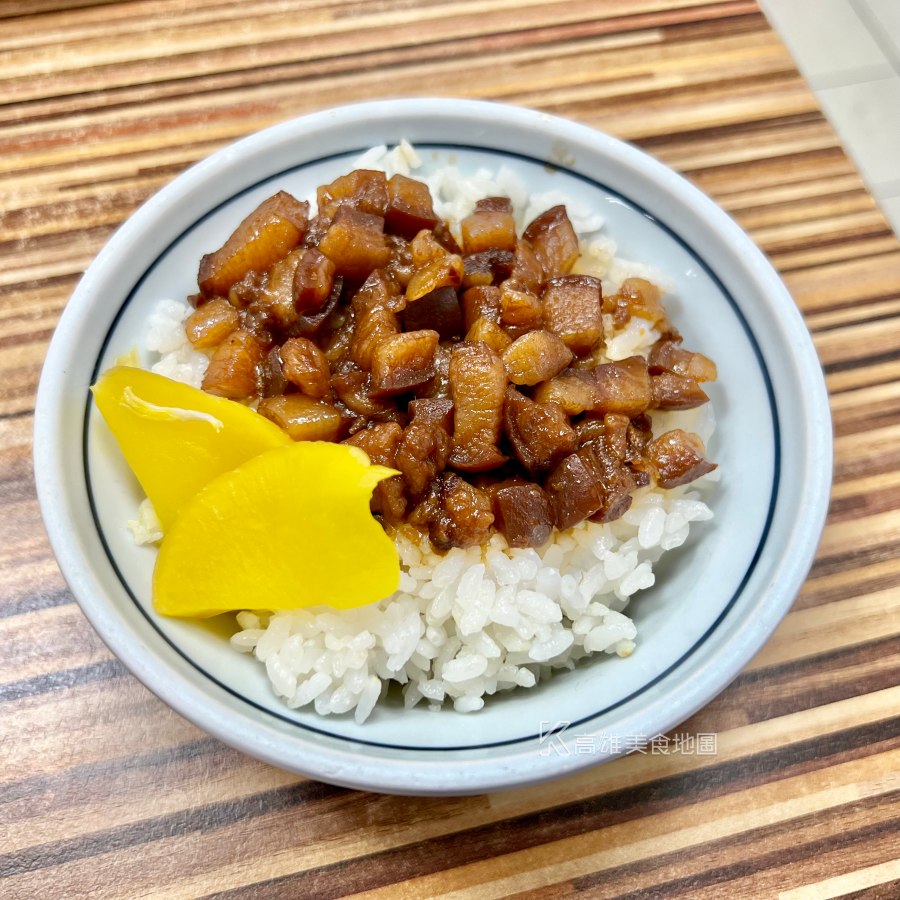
105 792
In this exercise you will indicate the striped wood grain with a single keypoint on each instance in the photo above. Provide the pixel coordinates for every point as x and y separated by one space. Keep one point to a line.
106 792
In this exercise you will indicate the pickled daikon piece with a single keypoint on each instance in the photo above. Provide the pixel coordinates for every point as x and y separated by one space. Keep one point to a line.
177 438
289 528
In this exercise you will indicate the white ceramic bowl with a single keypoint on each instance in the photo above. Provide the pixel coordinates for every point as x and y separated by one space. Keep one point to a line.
716 601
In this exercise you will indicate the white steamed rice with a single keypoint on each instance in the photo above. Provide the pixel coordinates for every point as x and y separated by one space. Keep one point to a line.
478 621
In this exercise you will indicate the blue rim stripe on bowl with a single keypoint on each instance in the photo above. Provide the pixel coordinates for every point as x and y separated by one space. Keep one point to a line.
468 747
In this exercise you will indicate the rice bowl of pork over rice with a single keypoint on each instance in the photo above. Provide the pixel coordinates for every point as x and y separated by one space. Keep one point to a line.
532 615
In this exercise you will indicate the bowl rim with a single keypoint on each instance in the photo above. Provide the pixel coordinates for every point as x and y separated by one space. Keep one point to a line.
266 740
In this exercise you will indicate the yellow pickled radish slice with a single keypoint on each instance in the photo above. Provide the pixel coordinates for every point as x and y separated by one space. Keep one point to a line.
287 529
177 438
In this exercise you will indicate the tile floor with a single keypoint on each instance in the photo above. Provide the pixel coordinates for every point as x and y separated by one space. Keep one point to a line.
849 52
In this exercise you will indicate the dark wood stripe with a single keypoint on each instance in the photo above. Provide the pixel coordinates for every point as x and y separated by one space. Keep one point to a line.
744 20
307 794
13 9
57 681
41 790
860 558
869 317
890 890
810 682
877 378
861 253
852 507
63 214
29 603
65 283
871 414
730 130
790 853
18 486
864 465
826 589
861 362
41 336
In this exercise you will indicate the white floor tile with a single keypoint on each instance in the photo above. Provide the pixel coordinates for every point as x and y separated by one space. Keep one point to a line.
828 41
890 206
885 14
889 188
866 116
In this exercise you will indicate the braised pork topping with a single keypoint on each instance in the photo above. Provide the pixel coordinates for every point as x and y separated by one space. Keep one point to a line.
472 364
